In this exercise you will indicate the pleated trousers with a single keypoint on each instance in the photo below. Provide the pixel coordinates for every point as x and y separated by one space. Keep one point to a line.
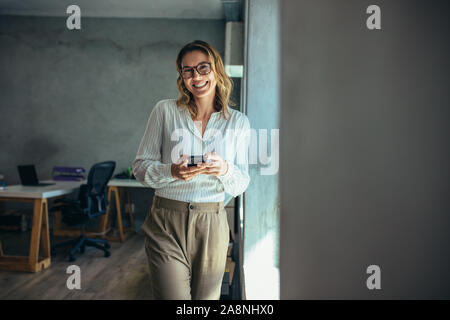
186 246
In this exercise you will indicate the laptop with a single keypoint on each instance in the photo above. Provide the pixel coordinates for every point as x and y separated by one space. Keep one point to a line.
28 176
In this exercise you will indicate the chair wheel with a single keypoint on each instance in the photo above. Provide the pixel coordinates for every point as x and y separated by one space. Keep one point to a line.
107 254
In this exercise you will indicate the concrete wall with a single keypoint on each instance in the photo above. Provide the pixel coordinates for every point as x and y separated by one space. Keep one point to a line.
74 98
261 200
364 148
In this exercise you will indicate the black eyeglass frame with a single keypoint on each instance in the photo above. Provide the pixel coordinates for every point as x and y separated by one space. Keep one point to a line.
191 69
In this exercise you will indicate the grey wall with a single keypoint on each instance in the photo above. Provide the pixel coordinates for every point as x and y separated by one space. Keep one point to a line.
74 98
364 149
261 200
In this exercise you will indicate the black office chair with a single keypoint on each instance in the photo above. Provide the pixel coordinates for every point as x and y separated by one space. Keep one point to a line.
92 202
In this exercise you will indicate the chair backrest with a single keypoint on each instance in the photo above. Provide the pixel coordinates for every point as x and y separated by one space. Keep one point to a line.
94 192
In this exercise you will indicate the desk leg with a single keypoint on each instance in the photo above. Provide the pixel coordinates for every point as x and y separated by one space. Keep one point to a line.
119 213
123 234
39 238
130 209
104 219
45 234
39 231
36 232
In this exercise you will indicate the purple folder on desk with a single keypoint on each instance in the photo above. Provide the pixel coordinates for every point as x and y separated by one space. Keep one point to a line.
68 173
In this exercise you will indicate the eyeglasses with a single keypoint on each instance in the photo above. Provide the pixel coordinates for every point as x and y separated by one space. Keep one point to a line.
202 69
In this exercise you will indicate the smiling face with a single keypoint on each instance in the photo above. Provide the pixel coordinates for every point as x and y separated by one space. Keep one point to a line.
200 86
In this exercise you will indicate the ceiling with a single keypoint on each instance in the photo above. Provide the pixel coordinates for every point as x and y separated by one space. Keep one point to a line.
175 9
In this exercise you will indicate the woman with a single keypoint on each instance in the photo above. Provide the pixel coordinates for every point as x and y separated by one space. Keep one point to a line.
186 230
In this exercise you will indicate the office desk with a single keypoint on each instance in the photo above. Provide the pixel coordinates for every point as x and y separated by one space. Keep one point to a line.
40 230
114 185
103 229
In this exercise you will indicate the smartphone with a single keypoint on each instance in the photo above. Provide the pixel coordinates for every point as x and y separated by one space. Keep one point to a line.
194 160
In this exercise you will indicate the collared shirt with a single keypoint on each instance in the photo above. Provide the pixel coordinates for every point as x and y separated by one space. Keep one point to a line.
171 132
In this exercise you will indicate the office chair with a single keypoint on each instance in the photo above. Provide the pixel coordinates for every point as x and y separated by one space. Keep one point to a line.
92 202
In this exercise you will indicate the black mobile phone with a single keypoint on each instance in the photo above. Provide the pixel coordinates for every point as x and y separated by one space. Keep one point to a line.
194 160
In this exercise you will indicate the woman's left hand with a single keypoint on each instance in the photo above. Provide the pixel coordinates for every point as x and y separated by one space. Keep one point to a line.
215 165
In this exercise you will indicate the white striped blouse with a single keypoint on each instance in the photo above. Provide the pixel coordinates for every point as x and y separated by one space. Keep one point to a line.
171 132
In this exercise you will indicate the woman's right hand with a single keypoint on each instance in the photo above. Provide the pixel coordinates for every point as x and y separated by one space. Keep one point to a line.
181 171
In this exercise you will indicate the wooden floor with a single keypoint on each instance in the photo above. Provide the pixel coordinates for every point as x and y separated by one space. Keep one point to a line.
123 275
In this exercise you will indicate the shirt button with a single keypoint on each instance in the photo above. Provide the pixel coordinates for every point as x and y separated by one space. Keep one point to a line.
191 207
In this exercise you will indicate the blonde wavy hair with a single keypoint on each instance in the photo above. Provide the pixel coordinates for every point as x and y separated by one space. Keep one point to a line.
224 83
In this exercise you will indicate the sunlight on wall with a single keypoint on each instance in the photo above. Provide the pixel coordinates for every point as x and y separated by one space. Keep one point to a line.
261 277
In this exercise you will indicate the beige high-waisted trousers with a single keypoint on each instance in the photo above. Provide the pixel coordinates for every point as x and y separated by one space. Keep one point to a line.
186 246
